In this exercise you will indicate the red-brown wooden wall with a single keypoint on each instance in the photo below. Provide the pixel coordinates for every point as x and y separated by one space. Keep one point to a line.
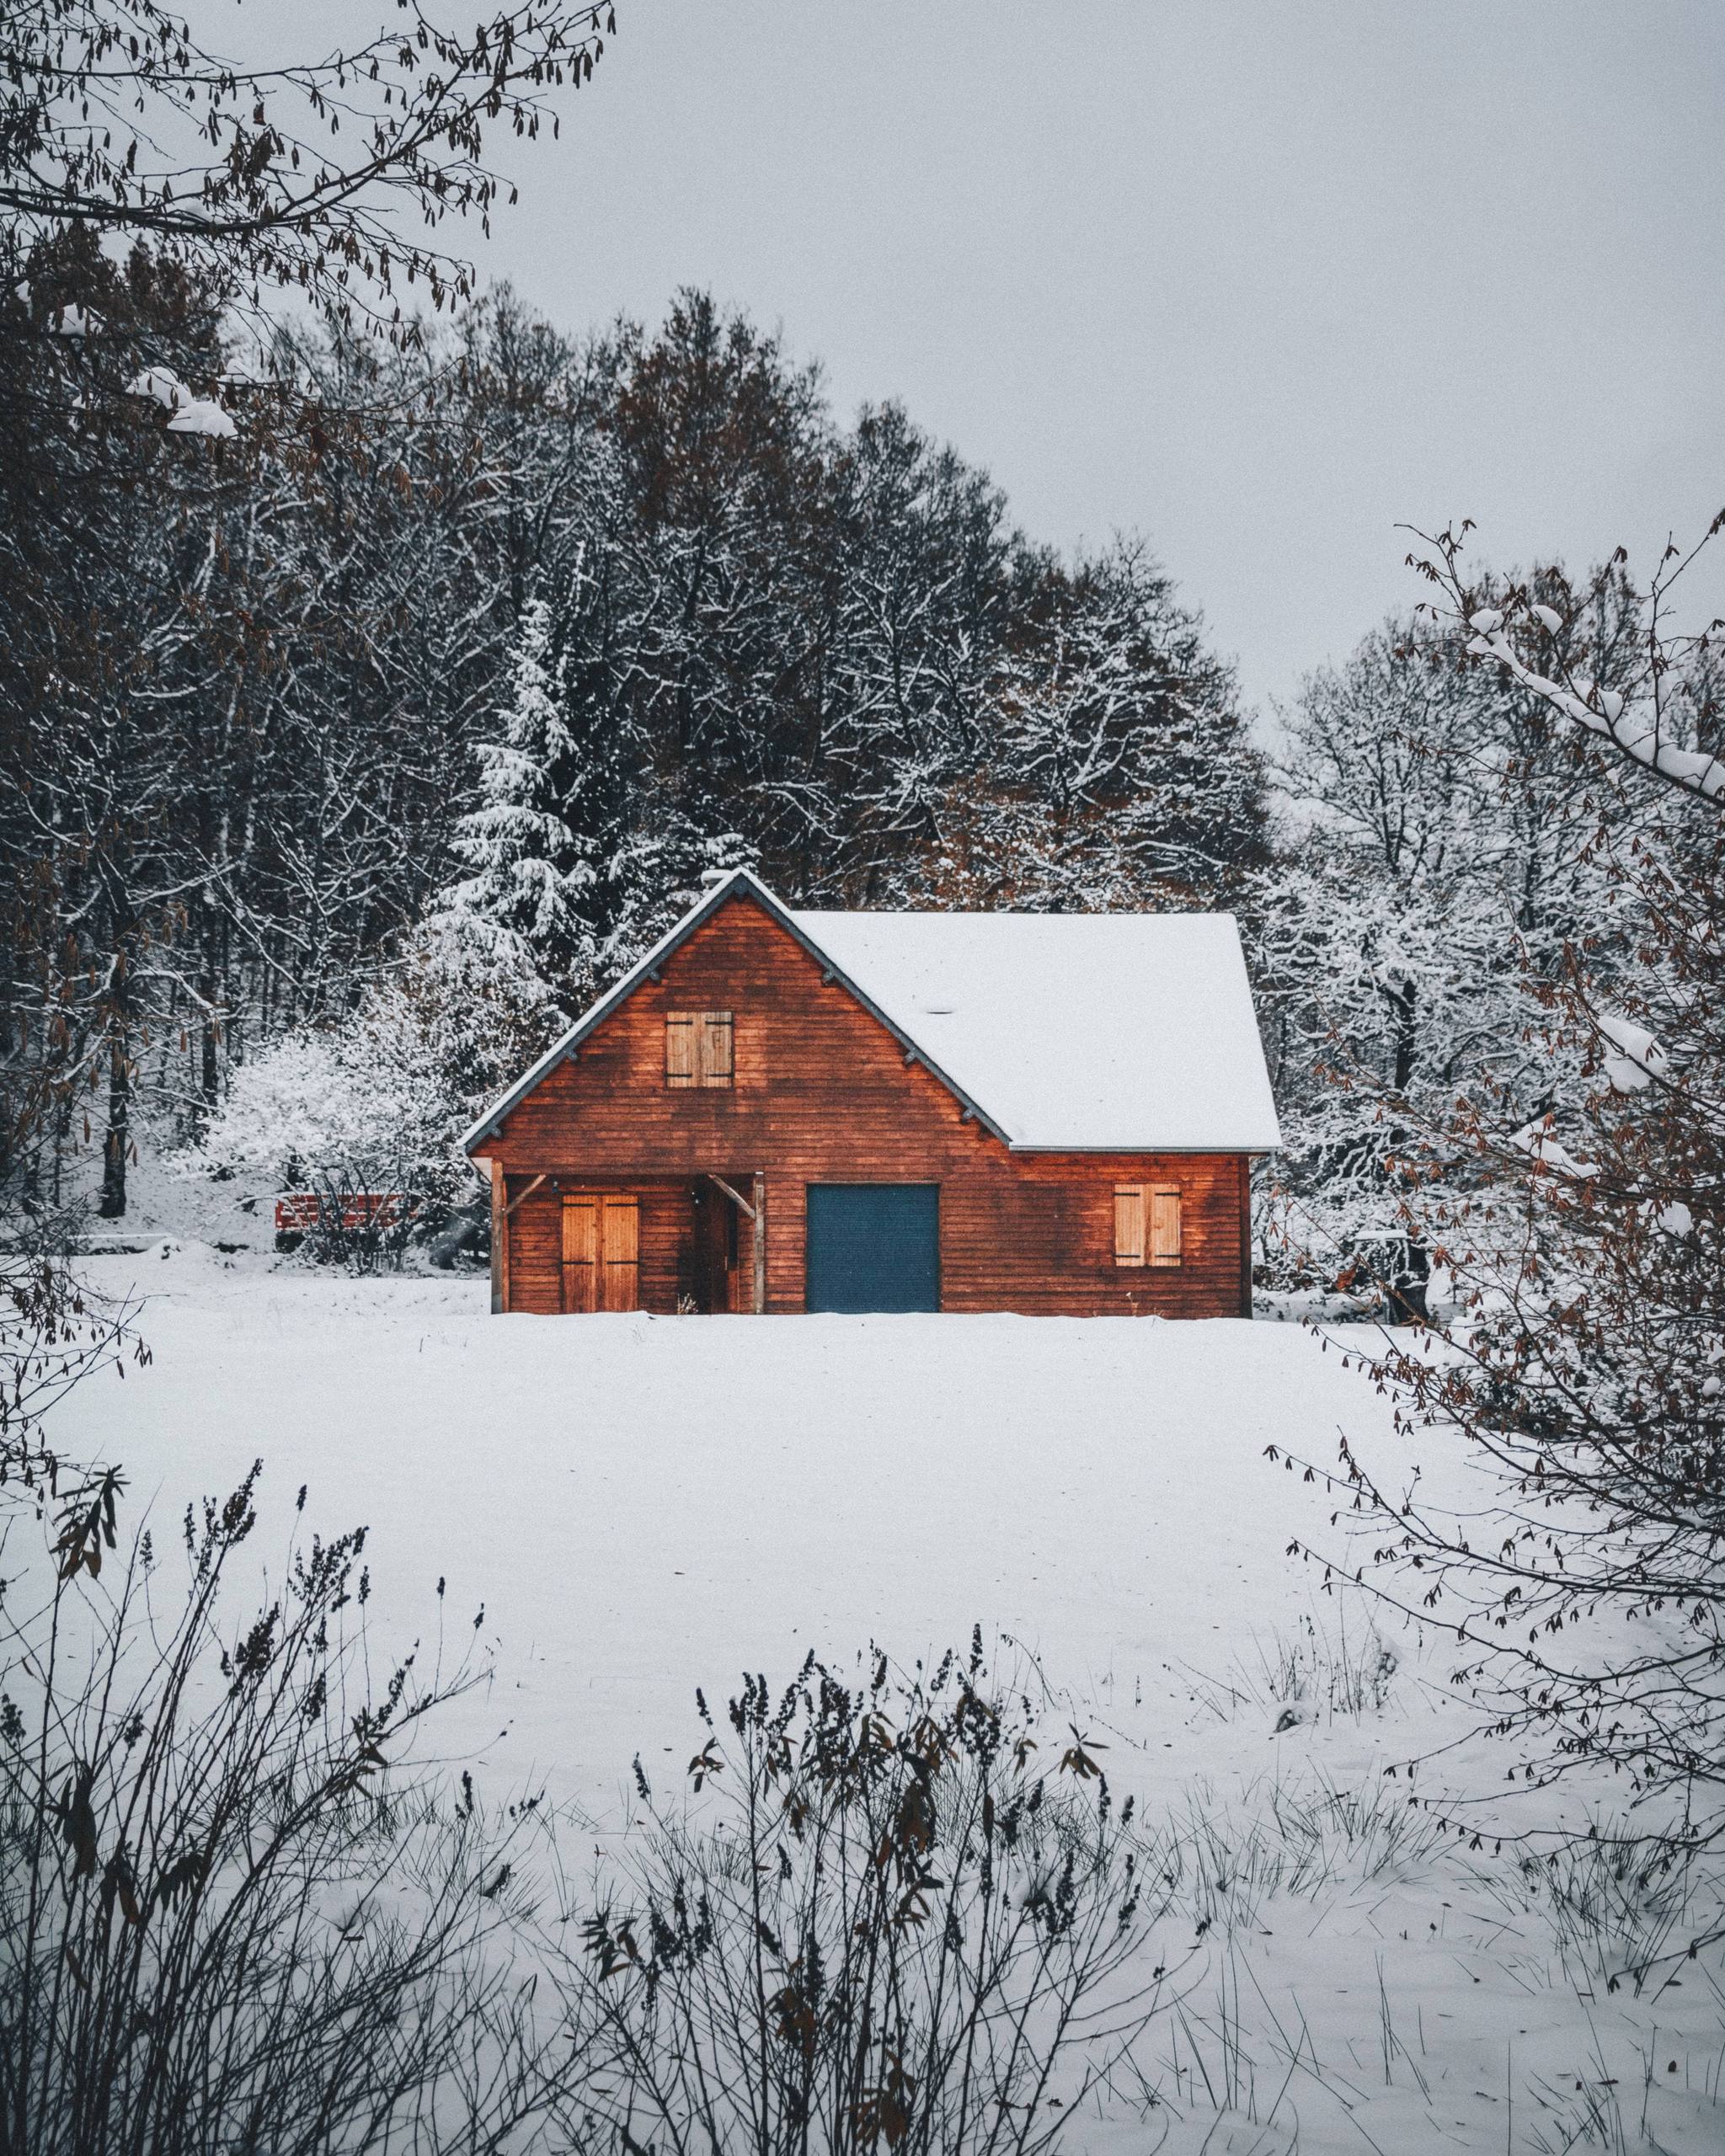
822 1094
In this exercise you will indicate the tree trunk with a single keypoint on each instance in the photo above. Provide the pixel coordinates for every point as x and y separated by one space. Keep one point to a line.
1412 1273
209 993
116 1139
1407 1004
1409 1284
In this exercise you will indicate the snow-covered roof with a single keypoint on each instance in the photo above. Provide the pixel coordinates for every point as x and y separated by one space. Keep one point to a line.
1079 1032
1067 1033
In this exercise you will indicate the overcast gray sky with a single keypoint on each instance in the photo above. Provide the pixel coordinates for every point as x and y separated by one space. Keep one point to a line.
1259 281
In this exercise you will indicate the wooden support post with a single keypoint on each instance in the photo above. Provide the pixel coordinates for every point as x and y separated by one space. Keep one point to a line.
499 1239
759 1243
1245 1235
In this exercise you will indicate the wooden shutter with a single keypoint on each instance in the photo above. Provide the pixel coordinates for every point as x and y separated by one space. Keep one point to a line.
1165 1225
713 1048
1128 1224
621 1252
601 1251
580 1252
697 1047
680 1031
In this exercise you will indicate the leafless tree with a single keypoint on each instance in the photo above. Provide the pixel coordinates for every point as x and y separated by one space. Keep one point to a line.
1586 1368
324 174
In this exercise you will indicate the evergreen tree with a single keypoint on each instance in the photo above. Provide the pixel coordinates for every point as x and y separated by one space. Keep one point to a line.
529 851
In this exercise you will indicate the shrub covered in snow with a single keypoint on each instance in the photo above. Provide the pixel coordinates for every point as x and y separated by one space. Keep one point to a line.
377 1102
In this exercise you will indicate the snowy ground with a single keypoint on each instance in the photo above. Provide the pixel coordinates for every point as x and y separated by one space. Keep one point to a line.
643 1505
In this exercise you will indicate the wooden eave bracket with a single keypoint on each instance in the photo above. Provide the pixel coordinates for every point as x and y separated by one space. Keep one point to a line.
735 1197
519 1195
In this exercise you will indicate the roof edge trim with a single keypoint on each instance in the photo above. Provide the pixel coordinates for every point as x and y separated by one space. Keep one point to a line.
1258 1149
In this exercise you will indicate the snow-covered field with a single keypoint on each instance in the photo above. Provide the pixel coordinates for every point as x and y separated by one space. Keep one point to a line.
641 1505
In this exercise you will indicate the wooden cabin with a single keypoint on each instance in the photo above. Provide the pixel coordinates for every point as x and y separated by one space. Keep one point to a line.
783 1111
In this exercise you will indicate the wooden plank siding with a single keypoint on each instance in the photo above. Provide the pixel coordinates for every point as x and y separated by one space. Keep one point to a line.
821 1092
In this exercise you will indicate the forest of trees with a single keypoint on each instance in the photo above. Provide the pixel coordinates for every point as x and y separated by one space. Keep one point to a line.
518 632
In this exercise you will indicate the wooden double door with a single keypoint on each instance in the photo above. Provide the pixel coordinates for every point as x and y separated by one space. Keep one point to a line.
601 1250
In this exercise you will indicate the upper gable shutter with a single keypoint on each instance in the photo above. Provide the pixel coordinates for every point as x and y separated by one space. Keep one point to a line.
713 1052
1128 1224
1165 1225
679 1048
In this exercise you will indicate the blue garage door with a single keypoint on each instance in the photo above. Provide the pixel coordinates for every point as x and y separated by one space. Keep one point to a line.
873 1247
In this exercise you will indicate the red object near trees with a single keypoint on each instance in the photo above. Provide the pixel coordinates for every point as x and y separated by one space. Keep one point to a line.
299 1212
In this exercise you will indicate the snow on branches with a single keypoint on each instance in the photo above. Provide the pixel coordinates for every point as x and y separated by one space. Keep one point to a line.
1585 1245
1438 859
187 414
377 1101
1651 719
529 867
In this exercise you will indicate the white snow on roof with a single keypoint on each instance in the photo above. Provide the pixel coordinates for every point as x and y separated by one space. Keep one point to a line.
1081 1030
1103 1033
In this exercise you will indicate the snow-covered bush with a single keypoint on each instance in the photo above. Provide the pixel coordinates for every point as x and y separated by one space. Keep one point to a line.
377 1102
306 1102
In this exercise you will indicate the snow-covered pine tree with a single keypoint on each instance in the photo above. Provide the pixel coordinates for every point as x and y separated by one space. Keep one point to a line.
527 896
581 853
